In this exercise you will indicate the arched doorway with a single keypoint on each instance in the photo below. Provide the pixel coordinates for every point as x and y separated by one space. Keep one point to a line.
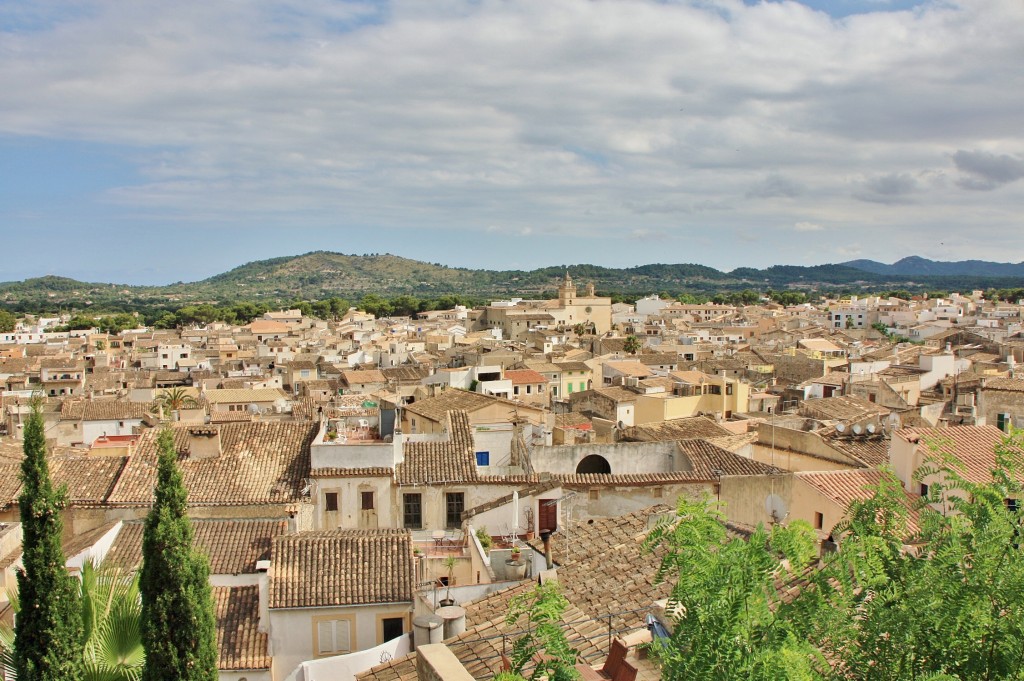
594 463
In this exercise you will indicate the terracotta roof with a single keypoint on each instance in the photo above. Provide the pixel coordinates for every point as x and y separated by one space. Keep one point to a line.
629 368
572 366
872 451
846 486
602 535
481 646
573 419
10 482
371 472
973 446
341 567
233 546
845 408
452 460
90 479
676 429
261 463
1010 384
707 458
524 376
104 410
734 443
365 376
406 373
616 393
245 395
240 644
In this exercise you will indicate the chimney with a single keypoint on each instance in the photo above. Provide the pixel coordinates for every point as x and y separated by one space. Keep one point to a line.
263 575
204 442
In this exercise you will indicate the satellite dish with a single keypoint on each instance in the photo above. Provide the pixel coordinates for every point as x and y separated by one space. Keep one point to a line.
775 507
253 409
872 427
621 425
858 429
840 427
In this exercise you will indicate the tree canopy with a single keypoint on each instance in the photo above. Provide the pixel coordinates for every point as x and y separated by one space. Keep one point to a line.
948 606
48 630
178 630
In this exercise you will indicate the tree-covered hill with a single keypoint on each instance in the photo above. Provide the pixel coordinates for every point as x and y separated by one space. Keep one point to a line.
320 275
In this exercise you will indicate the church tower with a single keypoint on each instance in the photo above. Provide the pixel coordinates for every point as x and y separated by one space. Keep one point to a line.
567 291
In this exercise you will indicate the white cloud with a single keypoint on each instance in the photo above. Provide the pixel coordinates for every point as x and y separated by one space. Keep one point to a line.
674 118
808 227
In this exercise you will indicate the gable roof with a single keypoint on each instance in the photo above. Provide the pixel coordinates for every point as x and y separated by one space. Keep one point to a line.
341 567
1008 384
524 376
433 462
973 446
241 645
223 395
846 486
262 462
676 429
233 546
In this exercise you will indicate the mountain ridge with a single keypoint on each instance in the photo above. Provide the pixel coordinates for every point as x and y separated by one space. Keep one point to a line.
322 274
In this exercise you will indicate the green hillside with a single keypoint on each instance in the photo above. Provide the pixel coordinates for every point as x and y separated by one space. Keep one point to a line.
320 275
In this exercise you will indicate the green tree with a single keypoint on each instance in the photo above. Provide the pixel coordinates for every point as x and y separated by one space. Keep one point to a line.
632 344
955 605
112 615
175 399
543 642
950 607
48 631
7 321
730 620
178 630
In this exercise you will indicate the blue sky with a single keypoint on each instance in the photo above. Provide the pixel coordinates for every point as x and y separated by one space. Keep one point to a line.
152 143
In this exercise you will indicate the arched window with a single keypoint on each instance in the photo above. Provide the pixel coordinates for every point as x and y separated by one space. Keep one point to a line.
594 464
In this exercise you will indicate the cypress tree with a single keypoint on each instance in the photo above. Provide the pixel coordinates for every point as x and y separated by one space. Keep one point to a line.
178 632
49 630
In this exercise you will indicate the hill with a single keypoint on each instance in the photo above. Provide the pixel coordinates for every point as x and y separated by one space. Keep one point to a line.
320 275
915 266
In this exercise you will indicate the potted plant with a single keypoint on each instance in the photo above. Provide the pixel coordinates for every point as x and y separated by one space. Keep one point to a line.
418 552
515 567
449 565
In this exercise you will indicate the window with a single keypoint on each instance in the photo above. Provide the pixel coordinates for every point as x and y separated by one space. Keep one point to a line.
455 504
391 628
483 458
1012 505
595 495
819 521
330 501
412 511
924 490
366 501
515 390
333 637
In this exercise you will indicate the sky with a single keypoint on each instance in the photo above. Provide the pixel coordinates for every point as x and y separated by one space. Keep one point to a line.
151 142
